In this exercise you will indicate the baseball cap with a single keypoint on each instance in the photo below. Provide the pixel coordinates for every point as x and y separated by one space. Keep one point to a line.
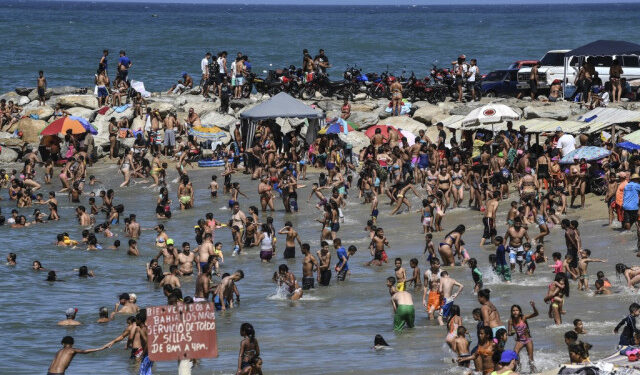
184 74
508 356
71 311
124 296
132 296
559 129
170 241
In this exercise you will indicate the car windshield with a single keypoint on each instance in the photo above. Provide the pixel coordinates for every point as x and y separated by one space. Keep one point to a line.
515 65
495 76
553 59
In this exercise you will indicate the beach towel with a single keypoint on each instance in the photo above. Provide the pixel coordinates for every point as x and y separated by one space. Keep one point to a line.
122 108
139 87
34 116
103 110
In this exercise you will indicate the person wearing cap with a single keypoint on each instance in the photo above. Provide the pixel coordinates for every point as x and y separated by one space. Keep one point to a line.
128 307
168 252
71 318
630 204
566 143
508 363
185 83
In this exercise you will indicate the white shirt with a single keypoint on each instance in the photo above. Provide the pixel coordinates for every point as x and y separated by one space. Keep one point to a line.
567 143
204 65
222 65
473 70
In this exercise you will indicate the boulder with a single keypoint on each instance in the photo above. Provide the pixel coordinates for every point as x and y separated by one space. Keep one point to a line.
44 112
7 140
11 96
360 97
463 110
202 108
363 119
286 124
220 120
8 155
127 113
24 90
404 123
357 140
24 100
239 103
85 113
556 112
162 107
30 129
382 114
426 114
33 95
66 90
85 101
367 106
186 100
101 123
137 124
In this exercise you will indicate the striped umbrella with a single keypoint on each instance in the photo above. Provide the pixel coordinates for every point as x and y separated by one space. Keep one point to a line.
208 132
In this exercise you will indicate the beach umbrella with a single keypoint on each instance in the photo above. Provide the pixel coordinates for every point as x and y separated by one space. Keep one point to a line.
411 138
208 132
336 128
384 129
588 153
77 125
489 114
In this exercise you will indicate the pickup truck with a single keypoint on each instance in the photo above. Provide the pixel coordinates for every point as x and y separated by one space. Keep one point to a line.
552 68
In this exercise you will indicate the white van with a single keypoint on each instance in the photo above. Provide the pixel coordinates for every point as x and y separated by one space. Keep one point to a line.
552 68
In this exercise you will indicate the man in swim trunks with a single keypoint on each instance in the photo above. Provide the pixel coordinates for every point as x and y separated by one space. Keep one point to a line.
290 245
447 284
203 285
223 297
490 315
402 302
342 267
489 219
324 262
64 356
432 288
309 265
207 250
167 252
515 234
186 259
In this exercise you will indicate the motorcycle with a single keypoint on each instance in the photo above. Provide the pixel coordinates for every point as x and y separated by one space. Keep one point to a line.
327 88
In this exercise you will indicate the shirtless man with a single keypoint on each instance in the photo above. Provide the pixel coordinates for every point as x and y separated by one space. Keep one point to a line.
206 251
71 318
402 302
238 219
377 248
171 278
192 120
490 315
83 218
489 219
128 307
64 356
309 266
292 236
185 193
170 123
432 288
324 264
378 139
203 285
533 80
515 234
583 263
102 81
167 253
447 284
284 277
224 292
185 260
134 227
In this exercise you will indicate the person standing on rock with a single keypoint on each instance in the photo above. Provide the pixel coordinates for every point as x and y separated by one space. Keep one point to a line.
102 81
42 87
102 64
124 63
204 66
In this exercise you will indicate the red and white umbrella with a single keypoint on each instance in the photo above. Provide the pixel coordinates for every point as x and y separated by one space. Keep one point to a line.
489 114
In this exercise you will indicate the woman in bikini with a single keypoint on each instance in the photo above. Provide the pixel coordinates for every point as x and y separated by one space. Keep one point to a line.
451 245
249 361
28 174
483 356
558 289
401 197
614 79
444 185
126 167
518 325
458 178
65 175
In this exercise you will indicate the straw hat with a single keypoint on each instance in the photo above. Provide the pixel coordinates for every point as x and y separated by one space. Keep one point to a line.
635 176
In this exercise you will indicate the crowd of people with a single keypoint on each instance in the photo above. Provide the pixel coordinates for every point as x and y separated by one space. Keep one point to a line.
479 171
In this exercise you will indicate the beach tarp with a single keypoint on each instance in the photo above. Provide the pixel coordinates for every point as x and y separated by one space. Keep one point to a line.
282 105
628 145
603 117
633 137
606 48
542 125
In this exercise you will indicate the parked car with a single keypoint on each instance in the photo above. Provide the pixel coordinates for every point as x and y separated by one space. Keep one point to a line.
522 64
552 68
500 83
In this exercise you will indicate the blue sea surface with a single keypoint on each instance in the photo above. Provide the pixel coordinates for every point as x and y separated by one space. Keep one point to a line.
66 39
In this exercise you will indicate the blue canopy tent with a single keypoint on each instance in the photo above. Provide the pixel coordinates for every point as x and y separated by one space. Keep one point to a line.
628 145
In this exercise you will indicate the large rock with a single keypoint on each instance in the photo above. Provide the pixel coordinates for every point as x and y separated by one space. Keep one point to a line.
44 112
367 106
404 123
162 107
85 101
203 108
127 113
11 96
33 95
428 114
463 110
363 119
137 124
220 120
556 112
286 124
239 103
8 155
24 90
85 113
101 123
30 129
357 140
65 90
24 100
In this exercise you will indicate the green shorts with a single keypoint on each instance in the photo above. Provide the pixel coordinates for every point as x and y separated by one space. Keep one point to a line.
404 317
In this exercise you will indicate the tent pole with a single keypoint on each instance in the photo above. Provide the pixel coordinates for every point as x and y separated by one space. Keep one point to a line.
564 77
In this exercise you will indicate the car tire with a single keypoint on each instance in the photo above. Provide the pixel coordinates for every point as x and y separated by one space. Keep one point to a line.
490 94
